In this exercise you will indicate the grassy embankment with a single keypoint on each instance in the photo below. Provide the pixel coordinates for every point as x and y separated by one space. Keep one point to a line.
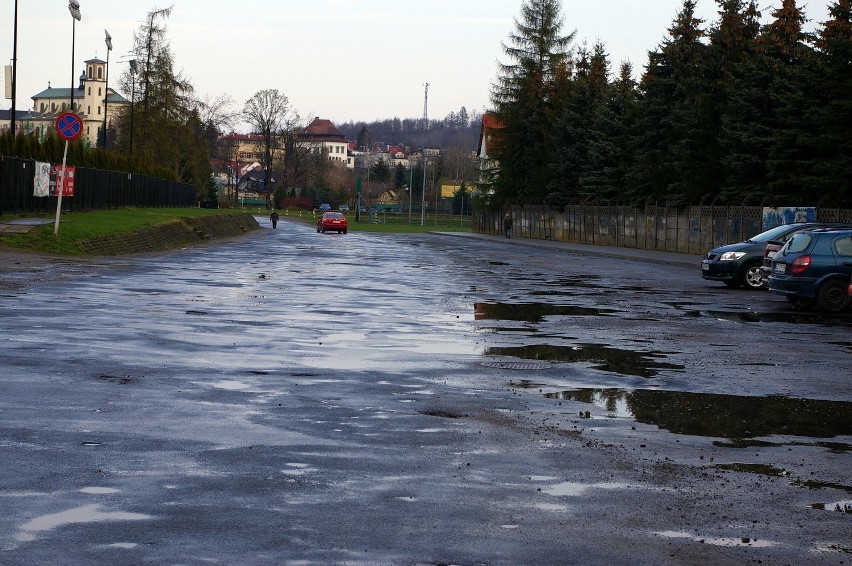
77 227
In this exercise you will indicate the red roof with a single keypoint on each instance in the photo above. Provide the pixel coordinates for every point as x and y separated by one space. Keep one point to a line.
323 129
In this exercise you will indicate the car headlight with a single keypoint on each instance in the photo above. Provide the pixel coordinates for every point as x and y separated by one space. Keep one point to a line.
731 256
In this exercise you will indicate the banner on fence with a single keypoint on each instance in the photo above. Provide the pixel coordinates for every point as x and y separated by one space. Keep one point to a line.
41 179
773 217
67 181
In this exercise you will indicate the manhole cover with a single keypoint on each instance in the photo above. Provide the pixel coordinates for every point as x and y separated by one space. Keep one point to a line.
517 365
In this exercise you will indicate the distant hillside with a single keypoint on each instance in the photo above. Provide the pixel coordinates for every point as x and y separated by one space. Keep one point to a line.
456 131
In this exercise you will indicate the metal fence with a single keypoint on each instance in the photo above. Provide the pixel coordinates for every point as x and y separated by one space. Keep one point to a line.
93 189
693 230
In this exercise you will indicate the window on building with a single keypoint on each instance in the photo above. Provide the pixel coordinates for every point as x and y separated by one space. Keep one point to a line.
89 71
88 109
100 72
99 91
41 109
90 91
99 110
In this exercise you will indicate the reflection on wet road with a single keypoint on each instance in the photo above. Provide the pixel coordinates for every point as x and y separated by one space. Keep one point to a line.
249 398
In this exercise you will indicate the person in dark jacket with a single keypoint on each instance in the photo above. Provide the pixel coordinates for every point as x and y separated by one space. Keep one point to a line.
274 219
507 225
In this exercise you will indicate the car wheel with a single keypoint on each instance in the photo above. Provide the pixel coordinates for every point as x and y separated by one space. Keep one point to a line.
832 296
322 229
752 278
318 230
344 231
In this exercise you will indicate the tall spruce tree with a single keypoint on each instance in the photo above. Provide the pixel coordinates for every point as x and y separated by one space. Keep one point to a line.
833 118
581 137
787 52
741 86
523 99
676 153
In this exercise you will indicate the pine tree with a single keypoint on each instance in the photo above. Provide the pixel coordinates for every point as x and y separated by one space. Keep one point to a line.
787 53
676 153
523 97
741 84
833 119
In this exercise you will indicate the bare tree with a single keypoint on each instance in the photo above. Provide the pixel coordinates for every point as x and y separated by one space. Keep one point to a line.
267 113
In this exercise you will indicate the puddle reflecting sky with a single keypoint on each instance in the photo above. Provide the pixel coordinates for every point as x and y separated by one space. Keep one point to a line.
725 416
532 312
605 358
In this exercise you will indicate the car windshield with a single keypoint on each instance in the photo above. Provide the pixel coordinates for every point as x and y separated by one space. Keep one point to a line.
771 234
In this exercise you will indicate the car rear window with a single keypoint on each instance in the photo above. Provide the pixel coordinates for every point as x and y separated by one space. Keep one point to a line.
799 243
333 215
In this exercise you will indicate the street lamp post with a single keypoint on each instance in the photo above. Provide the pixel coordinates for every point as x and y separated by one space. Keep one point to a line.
74 8
14 65
410 186
132 98
423 193
108 41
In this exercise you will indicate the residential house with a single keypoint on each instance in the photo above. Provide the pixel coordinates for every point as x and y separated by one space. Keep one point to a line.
489 138
323 137
6 120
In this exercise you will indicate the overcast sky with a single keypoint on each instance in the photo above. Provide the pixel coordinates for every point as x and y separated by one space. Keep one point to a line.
337 59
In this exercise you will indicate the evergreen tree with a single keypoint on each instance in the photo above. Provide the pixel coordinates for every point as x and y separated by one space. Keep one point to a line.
742 82
794 146
523 98
676 153
833 118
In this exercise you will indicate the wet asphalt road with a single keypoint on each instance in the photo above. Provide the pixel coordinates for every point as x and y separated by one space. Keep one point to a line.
298 398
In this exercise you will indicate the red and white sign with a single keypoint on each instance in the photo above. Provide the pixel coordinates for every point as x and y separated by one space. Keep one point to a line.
67 180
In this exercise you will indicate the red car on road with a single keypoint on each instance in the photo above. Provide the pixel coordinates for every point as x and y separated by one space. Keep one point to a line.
332 221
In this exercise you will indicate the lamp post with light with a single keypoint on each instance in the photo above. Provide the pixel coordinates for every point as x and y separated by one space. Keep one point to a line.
14 66
108 41
133 69
74 8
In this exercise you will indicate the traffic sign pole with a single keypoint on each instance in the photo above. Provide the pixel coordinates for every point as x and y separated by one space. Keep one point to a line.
60 184
69 126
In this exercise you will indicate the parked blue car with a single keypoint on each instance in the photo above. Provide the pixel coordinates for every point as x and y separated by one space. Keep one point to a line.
741 264
815 266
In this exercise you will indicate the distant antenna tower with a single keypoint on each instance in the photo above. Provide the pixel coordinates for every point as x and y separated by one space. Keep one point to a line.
426 107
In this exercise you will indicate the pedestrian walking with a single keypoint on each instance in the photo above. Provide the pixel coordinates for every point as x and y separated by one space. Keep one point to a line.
507 225
274 219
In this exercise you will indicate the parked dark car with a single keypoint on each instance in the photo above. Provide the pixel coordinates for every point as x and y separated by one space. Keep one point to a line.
332 221
738 265
773 246
815 266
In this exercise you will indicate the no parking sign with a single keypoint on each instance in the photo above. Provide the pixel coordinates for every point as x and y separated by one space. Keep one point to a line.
69 126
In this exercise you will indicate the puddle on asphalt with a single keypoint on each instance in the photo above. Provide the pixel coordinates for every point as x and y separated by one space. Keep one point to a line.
718 541
811 484
760 469
532 312
724 416
815 317
838 506
605 358
83 514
